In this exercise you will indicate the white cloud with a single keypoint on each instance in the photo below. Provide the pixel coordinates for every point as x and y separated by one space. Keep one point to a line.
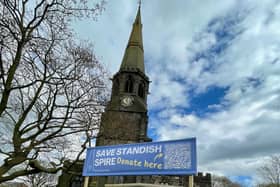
166 92
246 132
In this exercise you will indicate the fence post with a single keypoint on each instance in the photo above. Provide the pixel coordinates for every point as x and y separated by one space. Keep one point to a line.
86 182
191 181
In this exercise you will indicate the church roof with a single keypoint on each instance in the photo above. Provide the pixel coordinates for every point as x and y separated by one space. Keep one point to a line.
134 53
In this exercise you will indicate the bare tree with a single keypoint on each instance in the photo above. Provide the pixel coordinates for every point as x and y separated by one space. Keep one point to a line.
51 86
270 171
40 179
222 181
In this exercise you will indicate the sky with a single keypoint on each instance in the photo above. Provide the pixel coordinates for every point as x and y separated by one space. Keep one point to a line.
215 72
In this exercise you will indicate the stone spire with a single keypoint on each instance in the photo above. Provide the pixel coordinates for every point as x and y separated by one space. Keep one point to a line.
134 53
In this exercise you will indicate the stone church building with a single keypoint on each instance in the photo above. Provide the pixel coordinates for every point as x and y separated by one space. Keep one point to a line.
125 119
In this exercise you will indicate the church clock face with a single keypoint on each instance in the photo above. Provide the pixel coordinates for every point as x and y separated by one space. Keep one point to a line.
127 101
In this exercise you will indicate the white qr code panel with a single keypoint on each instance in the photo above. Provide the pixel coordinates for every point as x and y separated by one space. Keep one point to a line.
177 156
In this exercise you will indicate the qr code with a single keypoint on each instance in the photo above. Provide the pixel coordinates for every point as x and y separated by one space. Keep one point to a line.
177 156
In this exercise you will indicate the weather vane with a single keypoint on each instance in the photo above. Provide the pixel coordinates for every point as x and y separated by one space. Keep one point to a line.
139 2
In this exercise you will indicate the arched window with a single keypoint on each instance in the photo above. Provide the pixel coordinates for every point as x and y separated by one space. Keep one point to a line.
129 85
116 85
141 90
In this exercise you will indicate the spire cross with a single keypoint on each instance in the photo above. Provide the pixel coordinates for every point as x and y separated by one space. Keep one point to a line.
139 2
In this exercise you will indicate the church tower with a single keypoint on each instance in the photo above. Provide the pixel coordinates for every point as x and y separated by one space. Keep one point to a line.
125 118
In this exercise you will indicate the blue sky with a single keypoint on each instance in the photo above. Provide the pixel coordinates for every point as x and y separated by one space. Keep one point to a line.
215 72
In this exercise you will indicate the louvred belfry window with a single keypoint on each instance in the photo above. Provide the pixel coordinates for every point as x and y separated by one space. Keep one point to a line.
141 90
116 87
129 85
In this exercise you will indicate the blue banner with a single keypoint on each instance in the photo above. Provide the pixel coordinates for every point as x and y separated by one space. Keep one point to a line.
176 157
